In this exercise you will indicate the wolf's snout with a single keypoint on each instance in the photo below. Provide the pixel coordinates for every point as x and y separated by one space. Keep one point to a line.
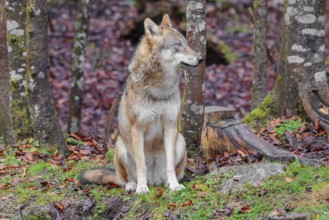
200 59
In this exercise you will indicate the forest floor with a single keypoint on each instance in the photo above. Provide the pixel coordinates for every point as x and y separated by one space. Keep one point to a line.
37 184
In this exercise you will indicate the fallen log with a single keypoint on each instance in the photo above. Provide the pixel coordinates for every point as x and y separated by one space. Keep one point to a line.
223 133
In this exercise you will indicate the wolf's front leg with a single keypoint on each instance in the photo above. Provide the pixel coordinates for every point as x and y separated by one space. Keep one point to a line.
170 138
138 145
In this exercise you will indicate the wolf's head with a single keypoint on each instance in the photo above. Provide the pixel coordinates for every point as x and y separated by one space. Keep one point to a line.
171 46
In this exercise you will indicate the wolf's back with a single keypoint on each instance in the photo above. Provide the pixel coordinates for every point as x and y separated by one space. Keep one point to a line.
100 176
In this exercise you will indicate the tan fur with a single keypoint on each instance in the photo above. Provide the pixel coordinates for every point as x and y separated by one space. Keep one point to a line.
149 149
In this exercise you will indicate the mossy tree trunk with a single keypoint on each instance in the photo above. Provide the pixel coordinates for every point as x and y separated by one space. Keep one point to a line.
79 48
191 121
16 36
260 51
6 126
46 126
301 70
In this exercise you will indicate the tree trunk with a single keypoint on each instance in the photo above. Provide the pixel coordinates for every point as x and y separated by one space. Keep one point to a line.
6 126
310 71
301 70
79 48
260 51
193 99
46 126
16 18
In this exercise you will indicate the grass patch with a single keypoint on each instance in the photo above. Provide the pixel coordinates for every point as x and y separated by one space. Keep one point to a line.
299 189
289 125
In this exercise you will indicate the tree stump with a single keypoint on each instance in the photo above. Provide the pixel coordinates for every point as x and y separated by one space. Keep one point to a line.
223 133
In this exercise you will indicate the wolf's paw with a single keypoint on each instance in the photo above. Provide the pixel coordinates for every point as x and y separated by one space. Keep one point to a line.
131 187
176 187
142 189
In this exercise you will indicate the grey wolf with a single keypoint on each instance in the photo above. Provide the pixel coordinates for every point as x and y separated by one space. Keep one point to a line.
149 149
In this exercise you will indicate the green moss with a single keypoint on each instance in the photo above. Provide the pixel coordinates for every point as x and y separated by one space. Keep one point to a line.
19 107
40 168
258 117
227 52
109 156
257 4
21 119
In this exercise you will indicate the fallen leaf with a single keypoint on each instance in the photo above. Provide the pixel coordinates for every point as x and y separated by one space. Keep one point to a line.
246 209
59 206
187 203
242 154
85 152
203 194
199 187
171 204
288 180
5 186
159 192
32 187
324 110
77 136
24 171
71 179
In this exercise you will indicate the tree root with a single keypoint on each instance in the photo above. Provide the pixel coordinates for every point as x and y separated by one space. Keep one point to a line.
232 135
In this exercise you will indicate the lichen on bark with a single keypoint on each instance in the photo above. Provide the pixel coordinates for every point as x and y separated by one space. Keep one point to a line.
45 123
192 117
260 51
16 38
6 126
79 48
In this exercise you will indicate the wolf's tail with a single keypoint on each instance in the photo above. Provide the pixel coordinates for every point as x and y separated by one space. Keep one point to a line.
101 176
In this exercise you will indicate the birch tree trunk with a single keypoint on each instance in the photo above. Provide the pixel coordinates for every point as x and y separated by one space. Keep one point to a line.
260 51
46 126
6 126
79 48
16 18
191 121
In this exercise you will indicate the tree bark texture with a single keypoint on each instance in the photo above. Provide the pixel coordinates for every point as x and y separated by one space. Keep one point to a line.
307 57
287 92
79 48
302 84
16 37
46 126
6 126
194 86
260 51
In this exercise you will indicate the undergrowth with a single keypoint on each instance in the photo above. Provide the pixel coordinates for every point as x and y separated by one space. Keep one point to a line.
299 189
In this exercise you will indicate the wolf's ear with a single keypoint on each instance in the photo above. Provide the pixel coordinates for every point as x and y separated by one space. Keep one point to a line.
166 21
151 29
